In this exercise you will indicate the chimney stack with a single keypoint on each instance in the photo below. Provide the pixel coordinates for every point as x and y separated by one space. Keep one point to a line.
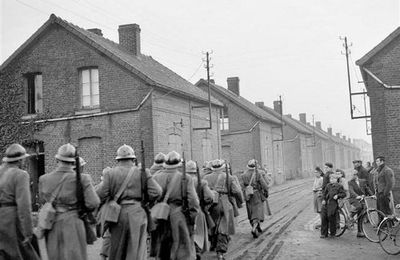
260 104
318 125
289 115
129 38
338 135
278 106
212 81
233 85
96 31
330 130
303 118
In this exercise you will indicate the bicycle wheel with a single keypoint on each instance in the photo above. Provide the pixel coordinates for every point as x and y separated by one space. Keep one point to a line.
389 236
341 223
370 223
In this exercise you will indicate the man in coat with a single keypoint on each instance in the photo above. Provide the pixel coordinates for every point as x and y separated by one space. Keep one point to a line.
257 179
129 234
15 206
182 245
157 166
222 210
357 190
328 167
67 238
385 183
363 174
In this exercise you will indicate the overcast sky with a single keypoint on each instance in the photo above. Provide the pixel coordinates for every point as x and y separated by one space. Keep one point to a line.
289 48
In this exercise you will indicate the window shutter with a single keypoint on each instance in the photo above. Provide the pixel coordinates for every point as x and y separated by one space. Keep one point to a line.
38 94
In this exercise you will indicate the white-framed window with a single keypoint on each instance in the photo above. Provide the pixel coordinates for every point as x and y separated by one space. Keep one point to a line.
34 93
89 84
224 119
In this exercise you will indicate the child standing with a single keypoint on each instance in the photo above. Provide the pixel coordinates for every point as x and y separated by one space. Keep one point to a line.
333 191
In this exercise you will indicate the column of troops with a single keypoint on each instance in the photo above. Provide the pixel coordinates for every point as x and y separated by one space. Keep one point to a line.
174 210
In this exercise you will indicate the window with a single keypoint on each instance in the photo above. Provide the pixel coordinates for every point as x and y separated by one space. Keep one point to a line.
89 81
224 119
175 143
207 151
34 93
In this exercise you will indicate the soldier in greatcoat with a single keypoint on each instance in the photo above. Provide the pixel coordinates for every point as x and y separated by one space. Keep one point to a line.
205 198
128 235
181 240
158 164
255 202
67 238
222 210
15 205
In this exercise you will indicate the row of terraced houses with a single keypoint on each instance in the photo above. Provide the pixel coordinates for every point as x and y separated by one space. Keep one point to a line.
102 94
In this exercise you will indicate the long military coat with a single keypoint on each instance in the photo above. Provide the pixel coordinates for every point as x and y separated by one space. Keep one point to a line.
15 221
255 205
67 239
222 212
128 236
182 242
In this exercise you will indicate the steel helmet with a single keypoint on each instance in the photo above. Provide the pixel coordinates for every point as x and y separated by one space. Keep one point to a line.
159 158
217 164
14 153
173 160
251 164
191 167
125 152
66 153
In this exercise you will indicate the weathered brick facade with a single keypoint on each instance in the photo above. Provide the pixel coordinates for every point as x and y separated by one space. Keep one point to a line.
133 106
380 71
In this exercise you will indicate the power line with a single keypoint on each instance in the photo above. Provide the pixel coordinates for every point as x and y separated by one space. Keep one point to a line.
195 72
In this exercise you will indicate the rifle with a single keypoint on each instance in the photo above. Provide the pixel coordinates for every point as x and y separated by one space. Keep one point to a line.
185 203
85 214
231 199
238 198
199 189
144 191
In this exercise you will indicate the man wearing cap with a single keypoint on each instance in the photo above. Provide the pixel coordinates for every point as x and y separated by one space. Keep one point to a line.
363 174
157 166
181 241
257 179
328 167
67 238
128 235
222 210
385 185
15 205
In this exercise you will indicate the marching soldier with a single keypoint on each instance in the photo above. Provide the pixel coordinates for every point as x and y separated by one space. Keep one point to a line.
15 206
159 160
206 168
67 238
222 211
181 241
128 235
205 198
254 184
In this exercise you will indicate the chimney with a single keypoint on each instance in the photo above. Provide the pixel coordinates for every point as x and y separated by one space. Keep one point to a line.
96 31
129 38
349 140
212 81
260 104
318 125
330 130
302 117
233 85
289 115
278 106
344 137
338 135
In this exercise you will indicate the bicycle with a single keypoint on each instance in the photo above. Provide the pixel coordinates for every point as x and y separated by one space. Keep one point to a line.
389 234
370 218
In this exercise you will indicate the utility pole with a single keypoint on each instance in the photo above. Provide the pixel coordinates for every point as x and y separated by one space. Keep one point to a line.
347 52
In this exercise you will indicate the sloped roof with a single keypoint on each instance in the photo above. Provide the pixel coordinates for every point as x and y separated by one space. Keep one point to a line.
378 47
288 120
242 102
148 69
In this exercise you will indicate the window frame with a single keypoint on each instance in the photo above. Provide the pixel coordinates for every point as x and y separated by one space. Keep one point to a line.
92 105
34 105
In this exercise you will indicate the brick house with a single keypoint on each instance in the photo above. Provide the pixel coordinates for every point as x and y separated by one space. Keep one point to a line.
102 94
380 71
297 140
247 131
